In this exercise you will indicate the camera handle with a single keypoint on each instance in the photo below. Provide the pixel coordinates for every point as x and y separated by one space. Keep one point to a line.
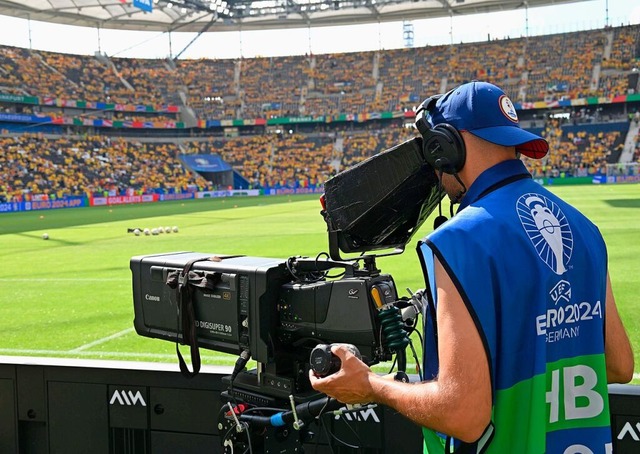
391 323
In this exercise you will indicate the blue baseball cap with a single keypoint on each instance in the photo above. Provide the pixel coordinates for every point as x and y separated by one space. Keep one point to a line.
485 111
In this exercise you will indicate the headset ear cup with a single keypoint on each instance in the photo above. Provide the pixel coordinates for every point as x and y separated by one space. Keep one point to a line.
443 148
442 145
455 151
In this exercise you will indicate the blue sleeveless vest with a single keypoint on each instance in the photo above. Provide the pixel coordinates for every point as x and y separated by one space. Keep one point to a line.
531 270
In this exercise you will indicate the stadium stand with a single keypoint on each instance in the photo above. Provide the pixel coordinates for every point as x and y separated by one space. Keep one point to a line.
271 87
577 151
562 65
90 158
211 87
273 160
36 166
577 64
620 61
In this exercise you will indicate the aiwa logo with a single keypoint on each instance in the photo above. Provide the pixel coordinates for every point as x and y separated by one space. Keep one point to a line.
128 398
630 432
548 230
362 415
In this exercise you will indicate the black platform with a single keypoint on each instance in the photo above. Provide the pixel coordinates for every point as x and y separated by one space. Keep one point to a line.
50 405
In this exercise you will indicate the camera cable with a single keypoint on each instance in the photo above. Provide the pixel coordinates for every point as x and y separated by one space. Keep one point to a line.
339 440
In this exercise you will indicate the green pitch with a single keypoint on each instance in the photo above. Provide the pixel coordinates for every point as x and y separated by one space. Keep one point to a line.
70 295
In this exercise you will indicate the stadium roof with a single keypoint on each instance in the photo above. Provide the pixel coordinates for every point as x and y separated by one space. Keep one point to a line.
227 15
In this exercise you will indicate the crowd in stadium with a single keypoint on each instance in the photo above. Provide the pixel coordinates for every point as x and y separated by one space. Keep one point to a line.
95 165
529 69
33 165
547 68
575 154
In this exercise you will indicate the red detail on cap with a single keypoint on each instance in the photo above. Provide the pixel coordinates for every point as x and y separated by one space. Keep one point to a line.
536 149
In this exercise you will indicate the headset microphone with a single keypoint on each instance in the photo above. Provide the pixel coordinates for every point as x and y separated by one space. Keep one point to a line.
462 191
444 165
440 219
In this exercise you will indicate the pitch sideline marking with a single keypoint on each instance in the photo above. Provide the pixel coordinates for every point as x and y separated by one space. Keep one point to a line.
102 341
61 279
94 354
17 351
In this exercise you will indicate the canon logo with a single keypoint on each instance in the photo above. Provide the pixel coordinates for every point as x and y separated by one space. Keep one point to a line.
151 297
128 398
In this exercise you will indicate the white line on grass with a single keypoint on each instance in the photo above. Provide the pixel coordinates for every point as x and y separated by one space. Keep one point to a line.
216 358
103 340
58 279
94 354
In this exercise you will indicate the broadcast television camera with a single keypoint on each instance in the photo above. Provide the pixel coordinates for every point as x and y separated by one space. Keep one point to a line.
276 311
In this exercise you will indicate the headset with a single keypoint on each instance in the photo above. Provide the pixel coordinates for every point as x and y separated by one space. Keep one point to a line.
442 145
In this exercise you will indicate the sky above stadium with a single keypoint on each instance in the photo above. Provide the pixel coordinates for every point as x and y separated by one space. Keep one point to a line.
121 43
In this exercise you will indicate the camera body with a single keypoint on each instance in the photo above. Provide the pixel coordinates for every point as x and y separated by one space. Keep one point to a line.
278 309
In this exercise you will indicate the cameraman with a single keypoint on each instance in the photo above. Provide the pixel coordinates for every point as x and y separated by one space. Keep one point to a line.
527 334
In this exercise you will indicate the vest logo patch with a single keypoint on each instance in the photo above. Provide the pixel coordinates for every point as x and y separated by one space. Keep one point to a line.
548 229
561 292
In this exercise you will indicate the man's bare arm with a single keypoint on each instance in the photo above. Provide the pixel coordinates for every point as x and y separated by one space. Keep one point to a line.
618 352
457 403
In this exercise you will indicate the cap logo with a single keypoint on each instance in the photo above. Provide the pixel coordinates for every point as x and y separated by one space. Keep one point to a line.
506 106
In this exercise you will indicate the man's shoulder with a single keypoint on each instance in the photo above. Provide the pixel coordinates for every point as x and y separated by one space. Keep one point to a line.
469 226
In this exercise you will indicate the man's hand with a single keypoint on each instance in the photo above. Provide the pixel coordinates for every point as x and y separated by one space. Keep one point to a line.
351 384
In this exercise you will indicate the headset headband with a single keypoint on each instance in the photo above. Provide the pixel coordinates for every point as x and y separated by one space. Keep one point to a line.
443 147
423 110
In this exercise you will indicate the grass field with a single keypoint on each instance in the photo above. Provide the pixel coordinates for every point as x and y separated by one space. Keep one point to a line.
70 296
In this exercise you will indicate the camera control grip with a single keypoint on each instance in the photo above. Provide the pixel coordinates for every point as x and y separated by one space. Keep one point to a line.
323 362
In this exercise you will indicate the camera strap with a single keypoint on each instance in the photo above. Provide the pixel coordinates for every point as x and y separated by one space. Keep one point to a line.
183 282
